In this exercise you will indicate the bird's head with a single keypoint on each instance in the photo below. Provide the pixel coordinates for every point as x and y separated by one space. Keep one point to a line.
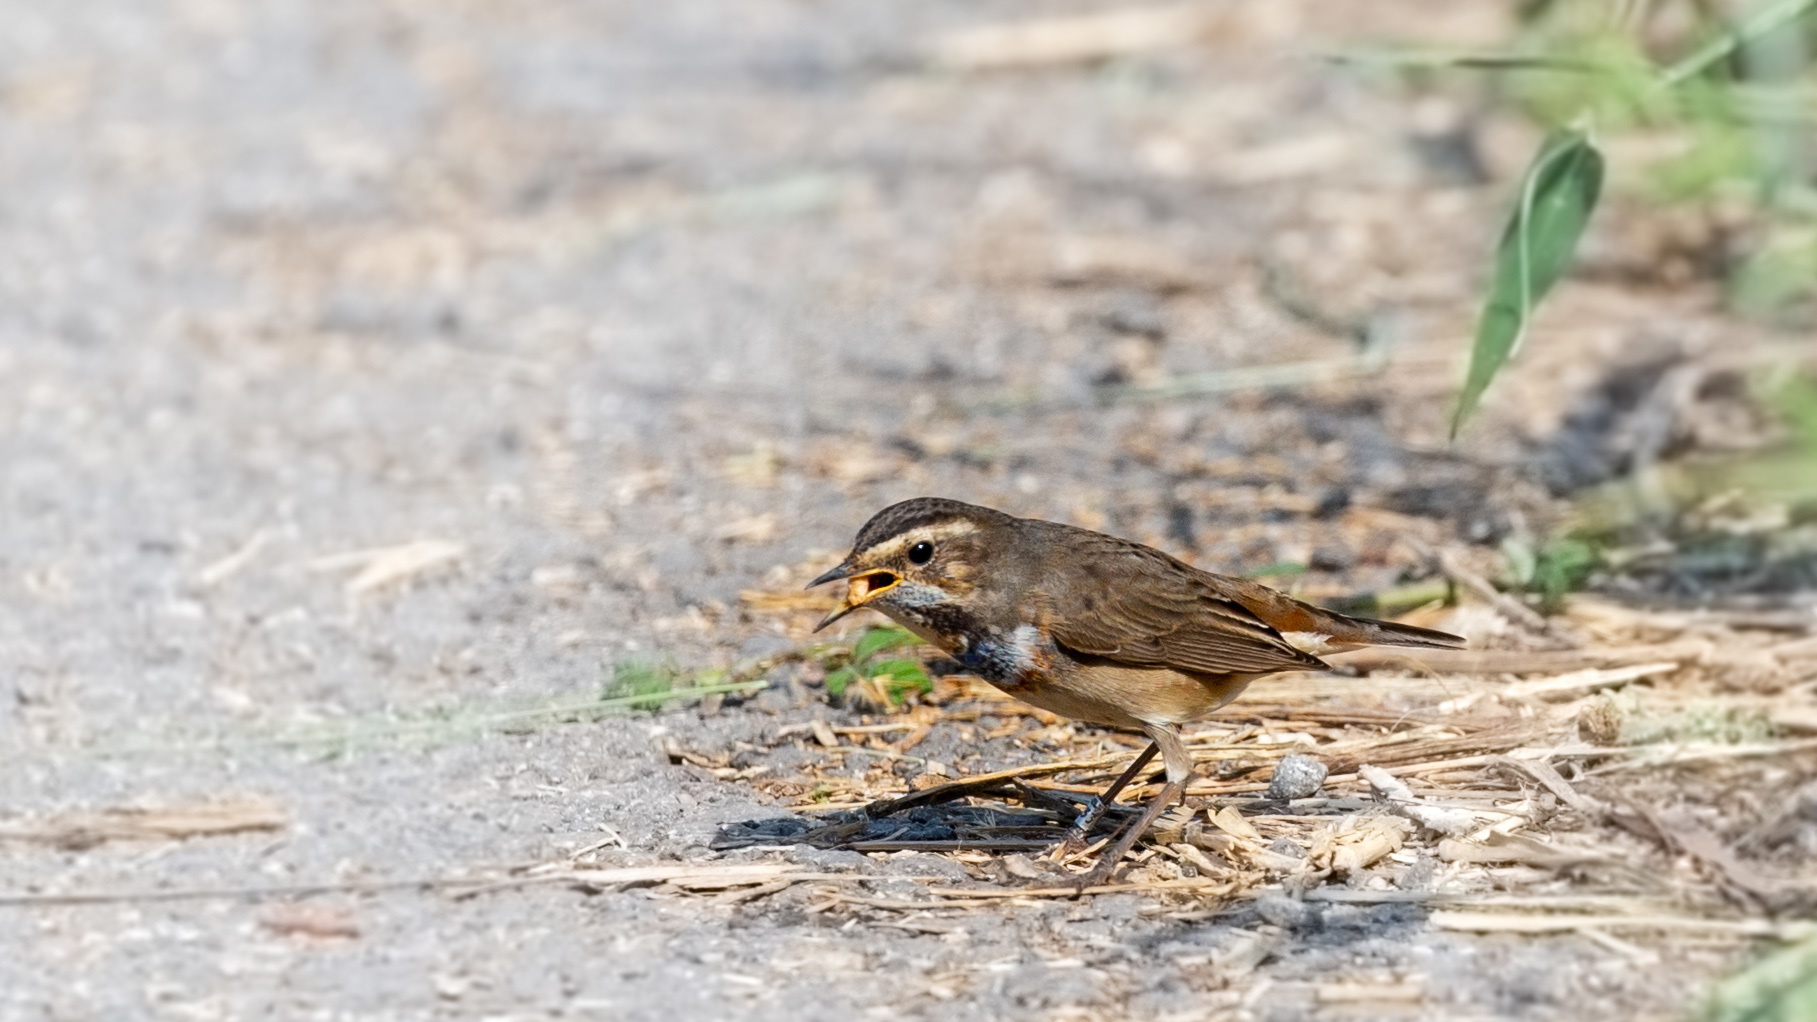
919 561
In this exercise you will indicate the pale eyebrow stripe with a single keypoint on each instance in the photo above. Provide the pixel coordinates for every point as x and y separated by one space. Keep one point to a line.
948 530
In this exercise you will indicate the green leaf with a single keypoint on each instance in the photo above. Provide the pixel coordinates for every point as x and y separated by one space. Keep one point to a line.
1280 569
879 640
899 670
1782 987
1796 402
1556 200
1521 561
1561 567
904 677
838 681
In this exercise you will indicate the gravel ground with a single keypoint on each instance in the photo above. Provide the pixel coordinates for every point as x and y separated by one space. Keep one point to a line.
612 309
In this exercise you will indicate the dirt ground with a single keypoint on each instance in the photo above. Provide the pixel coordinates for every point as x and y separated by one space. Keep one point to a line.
375 377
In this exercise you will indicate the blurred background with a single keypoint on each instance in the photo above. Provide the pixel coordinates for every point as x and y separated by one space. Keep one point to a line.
417 361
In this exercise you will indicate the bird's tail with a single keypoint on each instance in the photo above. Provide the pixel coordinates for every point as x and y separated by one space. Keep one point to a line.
1362 631
1316 630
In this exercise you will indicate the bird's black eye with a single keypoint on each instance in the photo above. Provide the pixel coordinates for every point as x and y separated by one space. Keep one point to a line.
921 552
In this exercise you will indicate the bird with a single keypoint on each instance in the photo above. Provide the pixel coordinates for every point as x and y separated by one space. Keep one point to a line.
1091 627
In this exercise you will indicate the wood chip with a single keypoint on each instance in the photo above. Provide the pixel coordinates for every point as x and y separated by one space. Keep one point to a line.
928 924
705 876
1468 661
1231 822
382 567
234 563
1123 262
1199 885
1397 796
166 823
1546 774
1587 680
1357 842
1794 718
764 602
1074 39
1523 850
1200 861
1505 922
739 897
756 530
1345 993
1652 757
310 921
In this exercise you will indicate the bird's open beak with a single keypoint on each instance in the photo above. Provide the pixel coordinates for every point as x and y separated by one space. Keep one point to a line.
861 588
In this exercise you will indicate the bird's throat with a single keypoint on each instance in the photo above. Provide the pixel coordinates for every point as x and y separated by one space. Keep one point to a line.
1007 658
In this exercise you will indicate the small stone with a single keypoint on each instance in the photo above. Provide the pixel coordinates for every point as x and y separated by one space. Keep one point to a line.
1296 776
1138 316
759 647
828 860
1332 557
1280 910
1331 504
927 865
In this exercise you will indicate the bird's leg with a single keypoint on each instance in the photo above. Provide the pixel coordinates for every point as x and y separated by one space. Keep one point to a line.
1107 863
1179 769
1095 805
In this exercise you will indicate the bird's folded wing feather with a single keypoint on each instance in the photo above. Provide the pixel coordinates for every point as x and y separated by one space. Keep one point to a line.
1140 607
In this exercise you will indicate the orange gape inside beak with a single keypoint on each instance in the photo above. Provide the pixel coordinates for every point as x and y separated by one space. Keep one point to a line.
860 590
868 586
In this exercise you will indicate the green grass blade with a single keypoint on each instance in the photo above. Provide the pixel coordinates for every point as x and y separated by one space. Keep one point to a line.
877 640
1403 58
1763 19
1536 248
641 685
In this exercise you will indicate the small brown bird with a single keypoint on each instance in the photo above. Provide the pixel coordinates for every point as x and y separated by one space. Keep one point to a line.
1091 627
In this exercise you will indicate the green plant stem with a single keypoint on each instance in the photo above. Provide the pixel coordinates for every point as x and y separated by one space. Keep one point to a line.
1763 21
1473 61
1766 19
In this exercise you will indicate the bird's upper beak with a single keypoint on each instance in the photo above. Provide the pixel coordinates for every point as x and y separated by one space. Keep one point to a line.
862 588
841 570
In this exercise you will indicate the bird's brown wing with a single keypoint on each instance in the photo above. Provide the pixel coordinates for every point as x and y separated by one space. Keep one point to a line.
1135 605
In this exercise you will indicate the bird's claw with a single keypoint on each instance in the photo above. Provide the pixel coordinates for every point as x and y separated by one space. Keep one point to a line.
1097 876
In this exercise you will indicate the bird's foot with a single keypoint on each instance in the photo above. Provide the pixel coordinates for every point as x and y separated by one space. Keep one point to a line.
1097 876
1107 862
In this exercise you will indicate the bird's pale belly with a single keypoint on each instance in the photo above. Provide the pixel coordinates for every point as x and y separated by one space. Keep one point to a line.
1129 697
1026 665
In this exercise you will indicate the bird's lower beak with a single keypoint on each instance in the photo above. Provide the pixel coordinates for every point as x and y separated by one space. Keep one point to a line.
860 590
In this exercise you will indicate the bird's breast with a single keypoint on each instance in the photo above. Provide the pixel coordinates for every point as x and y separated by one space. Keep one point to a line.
1009 660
